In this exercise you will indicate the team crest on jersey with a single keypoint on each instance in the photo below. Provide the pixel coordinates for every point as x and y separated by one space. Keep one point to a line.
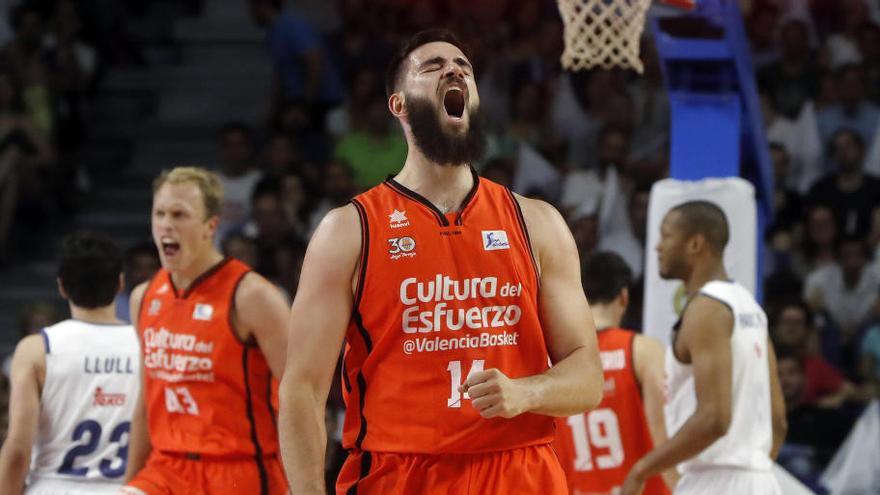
398 219
163 289
203 312
155 305
494 240
402 247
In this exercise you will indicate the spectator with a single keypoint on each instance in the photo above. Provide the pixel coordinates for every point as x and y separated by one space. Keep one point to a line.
141 262
820 238
242 248
374 150
852 110
853 194
761 26
500 170
275 239
794 79
843 45
280 156
794 331
238 175
814 434
847 290
354 113
23 153
24 55
787 205
339 188
303 71
34 318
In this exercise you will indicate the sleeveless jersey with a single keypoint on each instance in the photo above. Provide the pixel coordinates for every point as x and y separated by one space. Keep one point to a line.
89 394
598 448
440 296
207 392
750 436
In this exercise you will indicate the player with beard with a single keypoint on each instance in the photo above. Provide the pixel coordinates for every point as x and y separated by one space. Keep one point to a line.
724 409
452 295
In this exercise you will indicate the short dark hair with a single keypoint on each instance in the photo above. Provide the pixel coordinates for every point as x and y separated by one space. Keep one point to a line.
89 269
604 274
392 72
793 302
707 219
849 131
848 239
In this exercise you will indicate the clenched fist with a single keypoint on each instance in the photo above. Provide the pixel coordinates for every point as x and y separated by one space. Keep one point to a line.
495 395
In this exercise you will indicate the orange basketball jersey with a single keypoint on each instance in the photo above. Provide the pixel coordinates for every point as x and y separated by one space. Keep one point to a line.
598 448
440 296
207 392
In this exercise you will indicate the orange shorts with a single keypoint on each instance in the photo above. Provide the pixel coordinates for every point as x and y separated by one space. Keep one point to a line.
179 474
529 470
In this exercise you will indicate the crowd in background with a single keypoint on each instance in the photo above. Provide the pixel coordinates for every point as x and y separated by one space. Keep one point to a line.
591 143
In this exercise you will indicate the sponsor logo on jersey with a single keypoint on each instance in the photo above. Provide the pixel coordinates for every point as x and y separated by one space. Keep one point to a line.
398 219
176 357
163 289
401 247
613 360
155 306
494 240
102 399
438 304
203 312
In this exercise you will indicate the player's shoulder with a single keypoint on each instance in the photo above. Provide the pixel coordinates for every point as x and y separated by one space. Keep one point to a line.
254 288
544 222
29 352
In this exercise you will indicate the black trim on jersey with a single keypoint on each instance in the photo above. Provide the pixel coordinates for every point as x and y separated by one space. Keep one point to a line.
677 326
366 464
525 230
359 321
230 312
272 412
365 250
46 340
469 197
258 451
201 278
362 387
418 198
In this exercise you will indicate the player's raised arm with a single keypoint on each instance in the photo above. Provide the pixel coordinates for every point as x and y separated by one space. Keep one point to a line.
28 371
318 321
705 334
261 312
139 446
574 383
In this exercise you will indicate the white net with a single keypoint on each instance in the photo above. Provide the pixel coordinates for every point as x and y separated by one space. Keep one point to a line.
602 33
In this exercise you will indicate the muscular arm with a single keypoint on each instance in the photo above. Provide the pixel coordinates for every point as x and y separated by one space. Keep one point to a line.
139 445
649 358
261 313
28 374
705 337
777 403
574 383
318 321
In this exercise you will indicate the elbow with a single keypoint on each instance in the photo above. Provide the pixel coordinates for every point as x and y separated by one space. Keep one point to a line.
593 392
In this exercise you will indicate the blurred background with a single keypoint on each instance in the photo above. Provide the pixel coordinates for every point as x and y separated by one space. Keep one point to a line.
285 100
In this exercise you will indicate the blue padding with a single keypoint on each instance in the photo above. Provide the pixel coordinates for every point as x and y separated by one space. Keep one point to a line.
705 138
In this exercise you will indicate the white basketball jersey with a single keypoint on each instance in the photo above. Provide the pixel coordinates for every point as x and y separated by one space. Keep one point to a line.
749 439
92 383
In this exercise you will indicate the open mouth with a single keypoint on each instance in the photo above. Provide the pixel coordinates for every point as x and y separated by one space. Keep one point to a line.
453 102
169 247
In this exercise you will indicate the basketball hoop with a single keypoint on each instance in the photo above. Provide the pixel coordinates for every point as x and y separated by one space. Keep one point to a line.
605 33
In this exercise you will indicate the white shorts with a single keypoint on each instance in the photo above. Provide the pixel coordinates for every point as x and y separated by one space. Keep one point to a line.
727 481
65 487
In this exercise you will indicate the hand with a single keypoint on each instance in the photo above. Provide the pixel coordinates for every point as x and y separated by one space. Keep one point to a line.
634 482
495 395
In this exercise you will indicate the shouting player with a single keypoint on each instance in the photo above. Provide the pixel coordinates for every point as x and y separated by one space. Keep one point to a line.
598 448
212 335
74 387
725 410
452 294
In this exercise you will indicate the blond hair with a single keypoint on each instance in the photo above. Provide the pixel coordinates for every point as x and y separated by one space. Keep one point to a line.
207 182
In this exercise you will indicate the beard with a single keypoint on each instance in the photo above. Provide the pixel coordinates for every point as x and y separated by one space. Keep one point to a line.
437 144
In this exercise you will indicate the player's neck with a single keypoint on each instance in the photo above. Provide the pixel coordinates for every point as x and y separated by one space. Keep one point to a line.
606 316
445 186
185 277
702 274
102 316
